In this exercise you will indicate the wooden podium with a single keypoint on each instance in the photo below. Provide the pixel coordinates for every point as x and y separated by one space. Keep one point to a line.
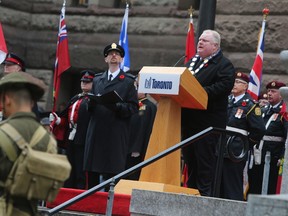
165 174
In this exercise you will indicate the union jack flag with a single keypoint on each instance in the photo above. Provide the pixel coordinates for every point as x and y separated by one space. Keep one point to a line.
123 41
62 62
256 72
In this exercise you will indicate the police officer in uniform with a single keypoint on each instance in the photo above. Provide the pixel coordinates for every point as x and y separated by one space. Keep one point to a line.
13 63
108 130
71 125
273 141
244 116
18 91
140 130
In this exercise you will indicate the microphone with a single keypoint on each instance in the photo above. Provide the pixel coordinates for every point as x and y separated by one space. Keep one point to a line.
184 56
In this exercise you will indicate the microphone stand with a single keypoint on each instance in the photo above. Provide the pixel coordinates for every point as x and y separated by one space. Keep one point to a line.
179 60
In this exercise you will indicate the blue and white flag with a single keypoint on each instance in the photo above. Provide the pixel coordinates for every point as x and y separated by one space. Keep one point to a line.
123 41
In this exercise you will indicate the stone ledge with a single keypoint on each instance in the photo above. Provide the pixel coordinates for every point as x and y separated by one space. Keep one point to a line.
168 204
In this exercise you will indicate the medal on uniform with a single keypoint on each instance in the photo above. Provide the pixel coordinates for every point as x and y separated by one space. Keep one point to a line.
275 115
257 111
239 113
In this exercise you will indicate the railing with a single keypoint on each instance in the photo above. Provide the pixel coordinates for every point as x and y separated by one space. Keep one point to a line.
217 180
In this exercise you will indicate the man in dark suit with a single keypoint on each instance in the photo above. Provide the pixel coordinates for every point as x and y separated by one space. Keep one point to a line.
71 127
108 130
216 75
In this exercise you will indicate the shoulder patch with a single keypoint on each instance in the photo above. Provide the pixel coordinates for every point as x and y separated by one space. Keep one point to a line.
98 74
130 75
257 111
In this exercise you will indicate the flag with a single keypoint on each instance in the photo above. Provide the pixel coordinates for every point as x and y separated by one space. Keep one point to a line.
62 62
123 41
256 72
190 41
3 47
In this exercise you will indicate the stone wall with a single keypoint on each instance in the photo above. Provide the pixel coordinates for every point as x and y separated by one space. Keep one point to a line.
157 33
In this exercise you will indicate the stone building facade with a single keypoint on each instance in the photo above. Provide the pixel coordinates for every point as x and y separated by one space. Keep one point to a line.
157 33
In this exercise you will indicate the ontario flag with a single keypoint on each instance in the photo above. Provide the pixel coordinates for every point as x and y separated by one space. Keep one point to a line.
62 62
190 41
3 47
256 72
123 41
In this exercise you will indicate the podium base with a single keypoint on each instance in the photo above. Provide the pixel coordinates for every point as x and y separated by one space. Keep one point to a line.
126 186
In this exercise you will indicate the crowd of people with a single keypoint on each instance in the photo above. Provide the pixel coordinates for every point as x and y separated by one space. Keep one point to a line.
105 129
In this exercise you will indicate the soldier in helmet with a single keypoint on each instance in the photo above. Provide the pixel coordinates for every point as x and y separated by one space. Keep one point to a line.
107 137
18 92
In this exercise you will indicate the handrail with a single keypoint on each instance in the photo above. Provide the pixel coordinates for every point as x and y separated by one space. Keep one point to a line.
142 165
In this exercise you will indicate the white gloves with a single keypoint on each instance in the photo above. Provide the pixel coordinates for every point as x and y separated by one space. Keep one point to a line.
53 116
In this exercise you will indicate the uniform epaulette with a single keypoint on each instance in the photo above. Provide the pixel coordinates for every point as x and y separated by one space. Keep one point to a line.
248 100
98 74
130 75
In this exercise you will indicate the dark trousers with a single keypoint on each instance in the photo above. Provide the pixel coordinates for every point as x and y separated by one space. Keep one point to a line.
130 162
232 180
200 158
94 179
75 155
255 176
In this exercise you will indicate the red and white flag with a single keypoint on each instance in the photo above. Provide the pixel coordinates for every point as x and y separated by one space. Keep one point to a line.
190 41
3 47
62 62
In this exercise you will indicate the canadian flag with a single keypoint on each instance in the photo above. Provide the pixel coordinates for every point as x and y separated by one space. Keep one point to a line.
3 47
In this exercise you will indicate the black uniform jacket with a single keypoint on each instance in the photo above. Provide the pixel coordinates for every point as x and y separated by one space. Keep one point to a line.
108 131
276 128
62 130
245 115
141 127
217 78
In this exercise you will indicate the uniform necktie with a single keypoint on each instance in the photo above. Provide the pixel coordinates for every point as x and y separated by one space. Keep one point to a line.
110 77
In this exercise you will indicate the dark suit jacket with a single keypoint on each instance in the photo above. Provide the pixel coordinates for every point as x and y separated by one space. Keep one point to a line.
108 131
217 78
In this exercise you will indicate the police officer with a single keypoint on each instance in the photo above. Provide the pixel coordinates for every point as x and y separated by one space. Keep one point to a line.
18 91
108 131
273 141
244 116
72 126
140 130
13 63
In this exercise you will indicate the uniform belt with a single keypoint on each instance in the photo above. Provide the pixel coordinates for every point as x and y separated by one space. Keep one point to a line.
273 138
238 130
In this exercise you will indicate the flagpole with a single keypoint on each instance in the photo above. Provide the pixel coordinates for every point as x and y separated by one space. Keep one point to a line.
190 50
123 39
62 62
